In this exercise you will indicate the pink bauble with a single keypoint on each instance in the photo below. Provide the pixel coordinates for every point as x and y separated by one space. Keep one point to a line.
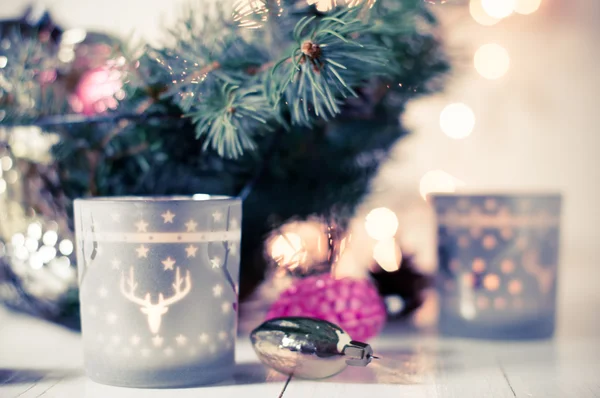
96 91
352 304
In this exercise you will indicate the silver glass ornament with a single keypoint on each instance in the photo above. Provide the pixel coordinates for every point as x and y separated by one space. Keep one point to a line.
307 348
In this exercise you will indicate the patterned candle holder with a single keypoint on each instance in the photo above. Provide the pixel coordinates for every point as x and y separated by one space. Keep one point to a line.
158 289
498 261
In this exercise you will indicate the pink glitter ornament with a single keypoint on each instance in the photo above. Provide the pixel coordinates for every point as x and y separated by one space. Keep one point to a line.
353 304
96 91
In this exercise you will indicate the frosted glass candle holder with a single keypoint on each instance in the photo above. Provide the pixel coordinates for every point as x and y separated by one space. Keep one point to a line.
158 288
498 262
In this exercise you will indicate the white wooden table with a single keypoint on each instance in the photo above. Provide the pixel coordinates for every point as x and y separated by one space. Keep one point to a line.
40 359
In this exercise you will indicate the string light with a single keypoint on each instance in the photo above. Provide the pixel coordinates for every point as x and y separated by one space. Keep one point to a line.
479 14
457 121
498 8
381 224
492 61
526 7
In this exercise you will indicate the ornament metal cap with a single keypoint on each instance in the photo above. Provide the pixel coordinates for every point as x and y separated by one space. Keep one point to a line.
359 354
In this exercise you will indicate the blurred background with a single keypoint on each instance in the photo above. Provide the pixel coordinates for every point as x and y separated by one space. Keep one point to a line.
518 114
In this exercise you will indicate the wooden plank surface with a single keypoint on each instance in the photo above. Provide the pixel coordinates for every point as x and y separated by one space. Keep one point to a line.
39 359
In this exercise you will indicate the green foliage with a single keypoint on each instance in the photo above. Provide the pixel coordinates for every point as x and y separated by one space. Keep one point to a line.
302 105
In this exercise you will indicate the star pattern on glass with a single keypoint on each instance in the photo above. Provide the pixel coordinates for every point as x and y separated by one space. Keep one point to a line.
191 226
233 249
191 251
168 351
142 251
168 263
222 335
225 308
203 338
217 290
116 264
103 292
111 318
217 216
135 340
157 341
234 224
116 217
215 262
168 217
181 340
142 226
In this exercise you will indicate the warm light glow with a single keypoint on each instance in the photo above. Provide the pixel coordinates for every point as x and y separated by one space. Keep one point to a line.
489 242
492 61
250 14
527 6
50 238
73 36
381 224
491 282
479 14
388 255
34 230
6 163
323 5
457 121
394 305
288 250
515 287
500 303
498 8
438 181
478 265
66 247
507 266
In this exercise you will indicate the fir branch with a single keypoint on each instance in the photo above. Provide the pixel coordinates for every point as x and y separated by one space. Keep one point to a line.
328 60
229 117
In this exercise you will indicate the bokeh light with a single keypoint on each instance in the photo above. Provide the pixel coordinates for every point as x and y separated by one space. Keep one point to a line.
381 224
457 121
527 6
388 255
438 181
66 247
492 61
498 8
479 14
288 250
251 14
394 305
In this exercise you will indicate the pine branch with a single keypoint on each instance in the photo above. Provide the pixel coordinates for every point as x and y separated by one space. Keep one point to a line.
330 58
